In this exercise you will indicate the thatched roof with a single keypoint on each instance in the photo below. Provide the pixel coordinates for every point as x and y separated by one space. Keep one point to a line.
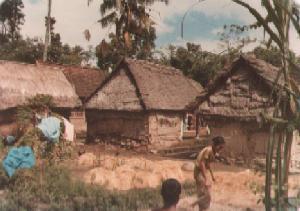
21 81
85 80
241 91
141 85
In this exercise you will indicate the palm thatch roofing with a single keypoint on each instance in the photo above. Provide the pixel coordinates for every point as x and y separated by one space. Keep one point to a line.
22 81
85 80
142 85
242 90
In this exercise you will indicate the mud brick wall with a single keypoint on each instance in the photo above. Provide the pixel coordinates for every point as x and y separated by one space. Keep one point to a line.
165 128
77 118
244 140
127 124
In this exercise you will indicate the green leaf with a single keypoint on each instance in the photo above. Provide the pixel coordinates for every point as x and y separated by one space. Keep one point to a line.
263 22
273 16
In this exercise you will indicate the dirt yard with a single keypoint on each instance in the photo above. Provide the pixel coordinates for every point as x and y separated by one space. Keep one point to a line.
233 190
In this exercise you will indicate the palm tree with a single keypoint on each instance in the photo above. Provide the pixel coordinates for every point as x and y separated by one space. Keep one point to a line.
47 36
281 16
133 24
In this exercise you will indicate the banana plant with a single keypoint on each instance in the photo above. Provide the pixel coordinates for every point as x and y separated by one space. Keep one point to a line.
281 16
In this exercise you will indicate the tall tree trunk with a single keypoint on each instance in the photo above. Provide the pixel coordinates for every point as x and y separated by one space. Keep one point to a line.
47 36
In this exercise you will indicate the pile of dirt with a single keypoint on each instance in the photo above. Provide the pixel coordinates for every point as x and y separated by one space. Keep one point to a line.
233 190
123 173
126 173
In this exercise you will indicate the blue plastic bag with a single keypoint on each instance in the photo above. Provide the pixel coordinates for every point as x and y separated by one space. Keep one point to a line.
18 158
50 127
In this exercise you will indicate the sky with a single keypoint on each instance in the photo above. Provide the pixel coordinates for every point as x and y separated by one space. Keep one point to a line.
201 26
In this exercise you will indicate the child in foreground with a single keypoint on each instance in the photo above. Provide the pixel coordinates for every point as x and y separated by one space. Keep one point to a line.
170 191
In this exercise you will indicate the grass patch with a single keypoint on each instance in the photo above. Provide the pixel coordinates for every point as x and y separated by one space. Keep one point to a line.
52 188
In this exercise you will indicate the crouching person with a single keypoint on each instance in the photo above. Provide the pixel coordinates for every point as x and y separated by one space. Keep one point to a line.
170 191
202 166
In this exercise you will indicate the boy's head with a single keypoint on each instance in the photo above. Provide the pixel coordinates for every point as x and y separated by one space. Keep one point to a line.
170 191
218 143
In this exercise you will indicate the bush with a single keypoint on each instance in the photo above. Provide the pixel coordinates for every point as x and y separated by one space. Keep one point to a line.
51 188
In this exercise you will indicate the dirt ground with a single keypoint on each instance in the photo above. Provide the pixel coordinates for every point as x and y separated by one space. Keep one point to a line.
234 188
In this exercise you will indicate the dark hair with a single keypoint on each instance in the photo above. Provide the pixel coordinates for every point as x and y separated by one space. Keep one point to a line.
170 191
218 140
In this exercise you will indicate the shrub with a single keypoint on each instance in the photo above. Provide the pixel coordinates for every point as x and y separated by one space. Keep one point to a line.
51 188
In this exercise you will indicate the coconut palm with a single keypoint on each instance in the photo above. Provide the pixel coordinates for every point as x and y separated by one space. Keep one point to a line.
132 21
281 16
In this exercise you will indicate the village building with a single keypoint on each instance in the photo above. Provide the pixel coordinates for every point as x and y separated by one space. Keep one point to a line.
234 101
22 81
145 102
85 82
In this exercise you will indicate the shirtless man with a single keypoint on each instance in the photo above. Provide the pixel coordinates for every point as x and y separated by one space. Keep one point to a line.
202 166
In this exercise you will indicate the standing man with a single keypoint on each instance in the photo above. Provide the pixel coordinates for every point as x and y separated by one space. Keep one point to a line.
202 166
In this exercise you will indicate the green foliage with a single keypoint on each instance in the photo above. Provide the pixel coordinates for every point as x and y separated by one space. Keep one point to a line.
38 103
28 50
134 36
11 18
32 136
233 38
272 55
51 187
31 50
193 62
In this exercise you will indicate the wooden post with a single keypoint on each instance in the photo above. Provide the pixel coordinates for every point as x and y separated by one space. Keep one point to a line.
269 159
47 36
197 126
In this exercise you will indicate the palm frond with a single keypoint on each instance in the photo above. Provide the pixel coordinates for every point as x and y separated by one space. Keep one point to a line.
107 5
108 19
293 14
296 24
273 15
278 10
261 21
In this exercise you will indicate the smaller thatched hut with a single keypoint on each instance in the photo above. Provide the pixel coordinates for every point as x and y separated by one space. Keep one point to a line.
19 81
142 101
233 102
85 81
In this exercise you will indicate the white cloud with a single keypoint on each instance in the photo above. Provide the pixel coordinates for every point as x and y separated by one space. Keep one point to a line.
212 8
74 16
216 31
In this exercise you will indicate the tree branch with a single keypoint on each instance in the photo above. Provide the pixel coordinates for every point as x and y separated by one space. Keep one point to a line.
261 20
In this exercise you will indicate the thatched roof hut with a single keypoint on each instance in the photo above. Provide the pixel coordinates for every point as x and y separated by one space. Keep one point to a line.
234 100
141 101
149 87
21 81
241 91
85 80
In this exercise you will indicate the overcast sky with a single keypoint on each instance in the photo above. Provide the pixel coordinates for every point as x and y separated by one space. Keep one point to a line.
201 24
